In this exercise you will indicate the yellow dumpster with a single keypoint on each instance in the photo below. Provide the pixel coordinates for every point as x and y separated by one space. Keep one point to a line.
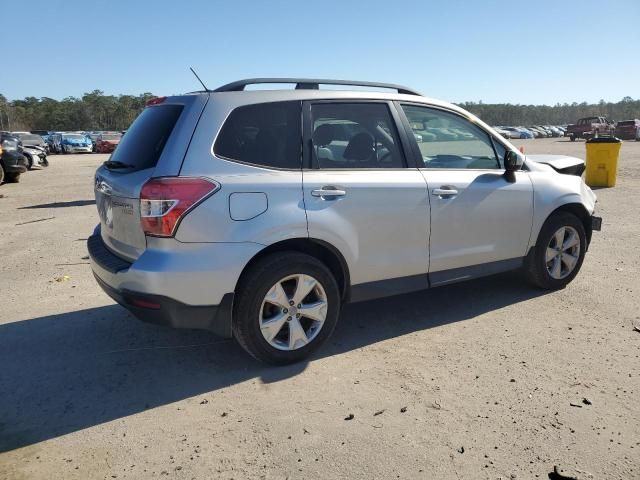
602 161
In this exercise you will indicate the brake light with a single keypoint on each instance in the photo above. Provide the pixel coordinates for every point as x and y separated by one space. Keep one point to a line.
165 201
155 101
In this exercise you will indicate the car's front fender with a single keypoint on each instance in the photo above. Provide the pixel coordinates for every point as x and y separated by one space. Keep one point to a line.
552 191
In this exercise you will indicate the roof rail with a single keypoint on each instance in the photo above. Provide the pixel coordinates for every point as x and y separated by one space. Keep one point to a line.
310 84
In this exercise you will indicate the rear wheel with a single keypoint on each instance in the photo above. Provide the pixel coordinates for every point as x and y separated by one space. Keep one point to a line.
573 138
559 252
1 174
286 306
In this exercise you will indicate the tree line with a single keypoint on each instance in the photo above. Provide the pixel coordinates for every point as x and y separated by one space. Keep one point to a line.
92 111
558 114
97 111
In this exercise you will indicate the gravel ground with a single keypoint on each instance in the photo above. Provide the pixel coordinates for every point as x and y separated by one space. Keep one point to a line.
487 379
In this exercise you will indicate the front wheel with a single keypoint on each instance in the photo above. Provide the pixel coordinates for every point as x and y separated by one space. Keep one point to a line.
286 306
573 138
559 252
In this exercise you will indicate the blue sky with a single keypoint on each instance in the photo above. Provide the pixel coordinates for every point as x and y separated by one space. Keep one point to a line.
496 51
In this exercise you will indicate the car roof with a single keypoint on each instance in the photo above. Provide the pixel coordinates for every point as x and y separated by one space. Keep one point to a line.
238 98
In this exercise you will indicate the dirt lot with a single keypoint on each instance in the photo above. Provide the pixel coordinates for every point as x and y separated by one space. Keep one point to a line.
488 379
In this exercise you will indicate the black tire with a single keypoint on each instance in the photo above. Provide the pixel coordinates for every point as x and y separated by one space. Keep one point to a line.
1 174
12 177
29 161
253 288
573 138
535 268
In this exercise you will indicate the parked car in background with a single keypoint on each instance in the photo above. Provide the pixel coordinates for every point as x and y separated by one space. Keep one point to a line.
12 162
75 143
628 130
501 130
94 138
107 142
212 216
54 141
587 127
34 148
527 133
545 130
31 140
555 133
512 132
36 157
537 132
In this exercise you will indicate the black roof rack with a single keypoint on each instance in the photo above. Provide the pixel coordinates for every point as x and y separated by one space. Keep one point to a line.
310 84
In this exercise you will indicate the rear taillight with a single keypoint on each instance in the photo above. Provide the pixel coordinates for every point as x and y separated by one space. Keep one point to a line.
164 201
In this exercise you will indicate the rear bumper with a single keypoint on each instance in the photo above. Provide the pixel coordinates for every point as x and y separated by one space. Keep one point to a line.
180 289
171 313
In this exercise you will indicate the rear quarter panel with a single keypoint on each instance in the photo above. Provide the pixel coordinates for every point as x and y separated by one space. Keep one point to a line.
211 221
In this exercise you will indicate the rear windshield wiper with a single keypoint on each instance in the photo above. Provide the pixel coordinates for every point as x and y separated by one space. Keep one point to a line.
113 164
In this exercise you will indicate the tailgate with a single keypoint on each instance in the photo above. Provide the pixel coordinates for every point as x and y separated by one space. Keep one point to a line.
154 146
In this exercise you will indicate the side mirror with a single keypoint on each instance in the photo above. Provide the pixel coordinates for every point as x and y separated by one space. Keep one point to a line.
512 163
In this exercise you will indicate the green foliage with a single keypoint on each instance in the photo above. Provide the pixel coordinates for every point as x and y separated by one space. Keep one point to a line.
97 111
94 111
559 114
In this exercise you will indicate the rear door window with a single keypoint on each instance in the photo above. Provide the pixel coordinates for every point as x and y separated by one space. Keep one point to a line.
355 136
265 134
144 142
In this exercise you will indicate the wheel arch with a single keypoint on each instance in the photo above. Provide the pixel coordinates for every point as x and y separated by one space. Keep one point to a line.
579 211
323 251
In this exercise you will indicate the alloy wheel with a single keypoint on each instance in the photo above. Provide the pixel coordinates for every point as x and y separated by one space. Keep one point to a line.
293 312
563 252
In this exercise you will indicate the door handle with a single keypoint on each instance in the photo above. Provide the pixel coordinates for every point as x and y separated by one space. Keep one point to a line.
445 191
328 192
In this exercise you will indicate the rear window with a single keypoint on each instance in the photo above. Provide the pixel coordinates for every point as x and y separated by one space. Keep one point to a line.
266 134
142 146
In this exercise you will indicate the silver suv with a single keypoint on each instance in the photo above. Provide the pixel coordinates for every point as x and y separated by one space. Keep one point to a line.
257 213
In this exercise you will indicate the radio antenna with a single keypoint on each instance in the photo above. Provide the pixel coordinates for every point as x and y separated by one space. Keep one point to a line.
201 82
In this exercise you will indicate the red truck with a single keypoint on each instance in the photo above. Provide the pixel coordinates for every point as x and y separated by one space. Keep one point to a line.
628 130
587 127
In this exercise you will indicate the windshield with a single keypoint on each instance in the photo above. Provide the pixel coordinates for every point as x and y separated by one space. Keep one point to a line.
74 137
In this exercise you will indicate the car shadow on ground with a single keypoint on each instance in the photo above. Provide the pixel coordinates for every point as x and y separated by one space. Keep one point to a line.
66 372
74 203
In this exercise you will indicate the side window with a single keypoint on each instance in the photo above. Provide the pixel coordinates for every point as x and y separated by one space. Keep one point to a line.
266 134
355 135
447 140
